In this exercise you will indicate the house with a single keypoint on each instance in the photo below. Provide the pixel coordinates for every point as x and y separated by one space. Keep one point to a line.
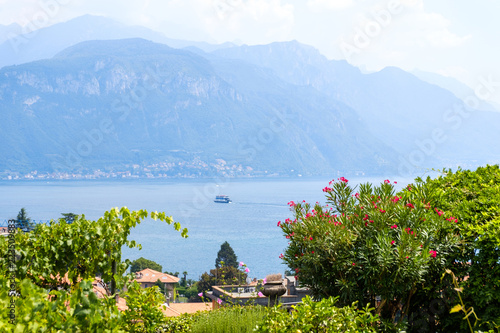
148 277
248 294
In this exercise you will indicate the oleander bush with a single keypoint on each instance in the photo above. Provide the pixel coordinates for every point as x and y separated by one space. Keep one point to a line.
371 246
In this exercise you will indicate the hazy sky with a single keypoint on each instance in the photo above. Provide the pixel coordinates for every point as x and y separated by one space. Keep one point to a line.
455 38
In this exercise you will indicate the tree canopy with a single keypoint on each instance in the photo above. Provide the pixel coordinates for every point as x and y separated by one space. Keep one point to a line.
473 198
143 263
227 256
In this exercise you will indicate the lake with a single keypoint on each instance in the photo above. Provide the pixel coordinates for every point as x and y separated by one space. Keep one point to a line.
249 223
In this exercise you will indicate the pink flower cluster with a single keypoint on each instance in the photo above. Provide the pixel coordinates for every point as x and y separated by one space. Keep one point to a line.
433 253
410 232
452 219
342 179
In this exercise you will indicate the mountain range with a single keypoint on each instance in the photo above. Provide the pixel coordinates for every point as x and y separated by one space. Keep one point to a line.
93 95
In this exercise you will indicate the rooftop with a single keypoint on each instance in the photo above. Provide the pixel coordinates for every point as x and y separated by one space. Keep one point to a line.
151 276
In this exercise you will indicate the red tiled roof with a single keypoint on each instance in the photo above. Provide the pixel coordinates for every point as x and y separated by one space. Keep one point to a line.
151 276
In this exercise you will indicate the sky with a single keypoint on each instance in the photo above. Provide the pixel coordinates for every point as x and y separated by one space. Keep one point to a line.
455 38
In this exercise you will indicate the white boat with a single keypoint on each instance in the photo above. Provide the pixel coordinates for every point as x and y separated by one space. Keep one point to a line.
222 199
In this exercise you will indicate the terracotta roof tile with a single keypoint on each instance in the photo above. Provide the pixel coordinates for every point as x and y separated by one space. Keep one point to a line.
151 276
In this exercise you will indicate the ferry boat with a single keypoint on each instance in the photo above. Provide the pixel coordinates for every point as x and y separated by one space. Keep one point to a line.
222 199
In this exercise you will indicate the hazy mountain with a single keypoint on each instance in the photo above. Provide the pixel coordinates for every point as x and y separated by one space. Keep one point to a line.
106 104
7 31
459 89
46 42
399 108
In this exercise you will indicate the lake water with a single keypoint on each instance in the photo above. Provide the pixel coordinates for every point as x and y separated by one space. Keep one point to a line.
248 224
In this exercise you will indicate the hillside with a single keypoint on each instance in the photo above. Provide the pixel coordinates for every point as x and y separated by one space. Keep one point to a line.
122 104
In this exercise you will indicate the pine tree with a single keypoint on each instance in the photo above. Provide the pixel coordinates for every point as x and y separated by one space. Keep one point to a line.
226 254
23 221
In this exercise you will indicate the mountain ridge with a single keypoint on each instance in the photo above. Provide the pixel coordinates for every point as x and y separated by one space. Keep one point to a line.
188 106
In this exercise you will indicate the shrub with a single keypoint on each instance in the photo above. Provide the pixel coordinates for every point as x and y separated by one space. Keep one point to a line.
473 198
62 311
319 317
369 245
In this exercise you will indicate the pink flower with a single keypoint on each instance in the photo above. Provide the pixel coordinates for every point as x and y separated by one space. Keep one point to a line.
410 205
396 199
279 222
310 238
219 301
327 189
392 242
242 264
394 226
291 204
357 195
382 211
387 181
200 294
395 182
342 179
312 252
260 294
439 212
433 253
247 270
354 264
281 257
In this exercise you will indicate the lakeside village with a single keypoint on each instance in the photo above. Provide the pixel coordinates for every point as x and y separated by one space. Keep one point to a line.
372 259
193 169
